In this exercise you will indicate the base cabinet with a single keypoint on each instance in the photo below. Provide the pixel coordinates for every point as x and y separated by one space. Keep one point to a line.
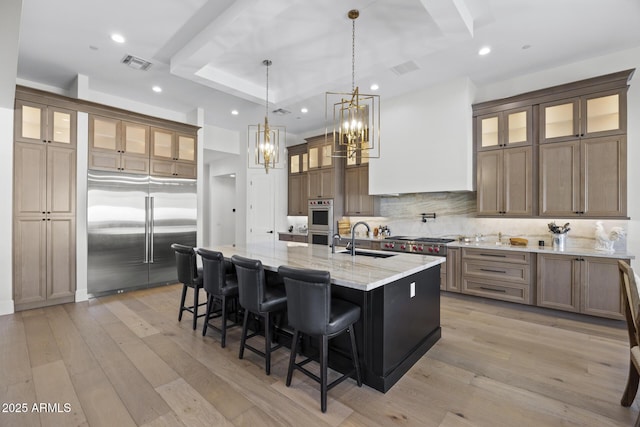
503 275
588 285
452 268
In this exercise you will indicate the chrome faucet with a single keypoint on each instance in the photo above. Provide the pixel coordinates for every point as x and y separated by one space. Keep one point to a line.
353 235
336 239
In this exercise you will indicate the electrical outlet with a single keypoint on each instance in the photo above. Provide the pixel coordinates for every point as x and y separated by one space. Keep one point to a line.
412 290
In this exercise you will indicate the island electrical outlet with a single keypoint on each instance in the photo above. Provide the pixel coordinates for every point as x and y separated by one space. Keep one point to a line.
412 290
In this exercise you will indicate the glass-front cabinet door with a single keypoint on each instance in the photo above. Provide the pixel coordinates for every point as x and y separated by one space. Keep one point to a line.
104 134
503 129
603 114
186 149
560 120
600 114
162 144
39 123
135 139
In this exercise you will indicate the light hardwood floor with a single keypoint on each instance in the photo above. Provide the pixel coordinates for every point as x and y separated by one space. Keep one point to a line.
124 360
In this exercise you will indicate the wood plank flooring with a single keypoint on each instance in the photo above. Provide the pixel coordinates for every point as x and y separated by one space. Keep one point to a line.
125 360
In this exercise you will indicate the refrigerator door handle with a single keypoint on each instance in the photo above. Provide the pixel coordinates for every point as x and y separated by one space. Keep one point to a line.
146 230
151 220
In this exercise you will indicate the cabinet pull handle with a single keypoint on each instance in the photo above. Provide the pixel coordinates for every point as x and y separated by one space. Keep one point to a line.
495 256
493 271
484 288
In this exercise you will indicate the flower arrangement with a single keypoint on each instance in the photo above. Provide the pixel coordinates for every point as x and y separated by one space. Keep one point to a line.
559 229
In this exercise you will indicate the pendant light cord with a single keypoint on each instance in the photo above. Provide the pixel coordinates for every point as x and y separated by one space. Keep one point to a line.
266 113
353 55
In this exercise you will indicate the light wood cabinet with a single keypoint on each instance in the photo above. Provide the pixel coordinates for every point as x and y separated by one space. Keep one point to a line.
118 145
44 215
298 199
320 152
453 268
504 182
358 202
298 186
292 237
173 153
588 285
321 183
39 123
592 115
584 178
502 129
496 274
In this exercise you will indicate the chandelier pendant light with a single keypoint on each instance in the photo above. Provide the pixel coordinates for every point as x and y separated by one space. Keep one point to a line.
353 119
265 137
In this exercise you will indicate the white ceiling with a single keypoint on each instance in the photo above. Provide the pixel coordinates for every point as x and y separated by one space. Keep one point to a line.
209 53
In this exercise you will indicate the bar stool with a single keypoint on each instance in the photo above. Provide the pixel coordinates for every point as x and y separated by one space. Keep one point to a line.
221 284
190 276
312 311
261 300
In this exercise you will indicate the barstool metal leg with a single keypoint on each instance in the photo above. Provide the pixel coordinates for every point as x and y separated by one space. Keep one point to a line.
223 328
243 338
354 355
267 343
324 361
207 313
182 299
196 291
292 356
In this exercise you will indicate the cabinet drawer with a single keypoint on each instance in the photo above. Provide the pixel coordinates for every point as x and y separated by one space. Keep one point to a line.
495 270
299 238
505 291
497 255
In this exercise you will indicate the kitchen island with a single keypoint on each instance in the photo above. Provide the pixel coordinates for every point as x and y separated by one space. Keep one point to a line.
399 295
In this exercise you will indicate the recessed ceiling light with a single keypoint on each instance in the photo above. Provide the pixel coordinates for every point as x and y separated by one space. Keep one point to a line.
234 112
157 89
484 51
304 110
118 38
374 87
232 175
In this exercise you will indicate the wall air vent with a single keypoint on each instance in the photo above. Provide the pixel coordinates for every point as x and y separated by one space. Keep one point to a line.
405 68
281 112
137 63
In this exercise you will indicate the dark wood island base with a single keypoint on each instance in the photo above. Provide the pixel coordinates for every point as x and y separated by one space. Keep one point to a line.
395 329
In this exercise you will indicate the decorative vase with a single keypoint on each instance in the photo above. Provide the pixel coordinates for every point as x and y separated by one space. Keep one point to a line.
559 241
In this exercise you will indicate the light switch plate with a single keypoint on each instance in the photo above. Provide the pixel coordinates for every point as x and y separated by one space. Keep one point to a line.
412 290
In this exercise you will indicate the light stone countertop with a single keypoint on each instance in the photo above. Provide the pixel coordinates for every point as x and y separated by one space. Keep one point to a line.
577 251
357 272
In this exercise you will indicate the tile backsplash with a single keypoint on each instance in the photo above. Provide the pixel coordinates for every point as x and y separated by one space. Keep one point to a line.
456 216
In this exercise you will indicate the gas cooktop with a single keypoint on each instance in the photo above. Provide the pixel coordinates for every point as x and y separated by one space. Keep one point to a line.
420 239
417 245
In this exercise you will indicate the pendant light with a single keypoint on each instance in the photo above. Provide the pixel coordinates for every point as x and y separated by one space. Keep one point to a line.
265 137
353 119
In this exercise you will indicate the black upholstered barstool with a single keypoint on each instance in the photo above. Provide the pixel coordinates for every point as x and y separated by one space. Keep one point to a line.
313 312
190 277
221 284
260 300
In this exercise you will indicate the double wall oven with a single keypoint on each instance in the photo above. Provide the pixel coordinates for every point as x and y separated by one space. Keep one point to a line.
320 217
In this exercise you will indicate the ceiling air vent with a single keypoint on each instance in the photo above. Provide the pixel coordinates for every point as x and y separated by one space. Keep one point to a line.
137 63
405 68
281 112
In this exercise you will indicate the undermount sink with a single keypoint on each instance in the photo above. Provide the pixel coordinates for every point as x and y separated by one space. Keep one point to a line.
369 254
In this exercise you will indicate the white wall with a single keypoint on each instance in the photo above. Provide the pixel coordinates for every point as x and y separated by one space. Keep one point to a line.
10 11
426 141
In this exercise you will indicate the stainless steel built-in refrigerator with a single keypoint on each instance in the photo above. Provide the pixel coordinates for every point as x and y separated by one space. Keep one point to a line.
132 221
